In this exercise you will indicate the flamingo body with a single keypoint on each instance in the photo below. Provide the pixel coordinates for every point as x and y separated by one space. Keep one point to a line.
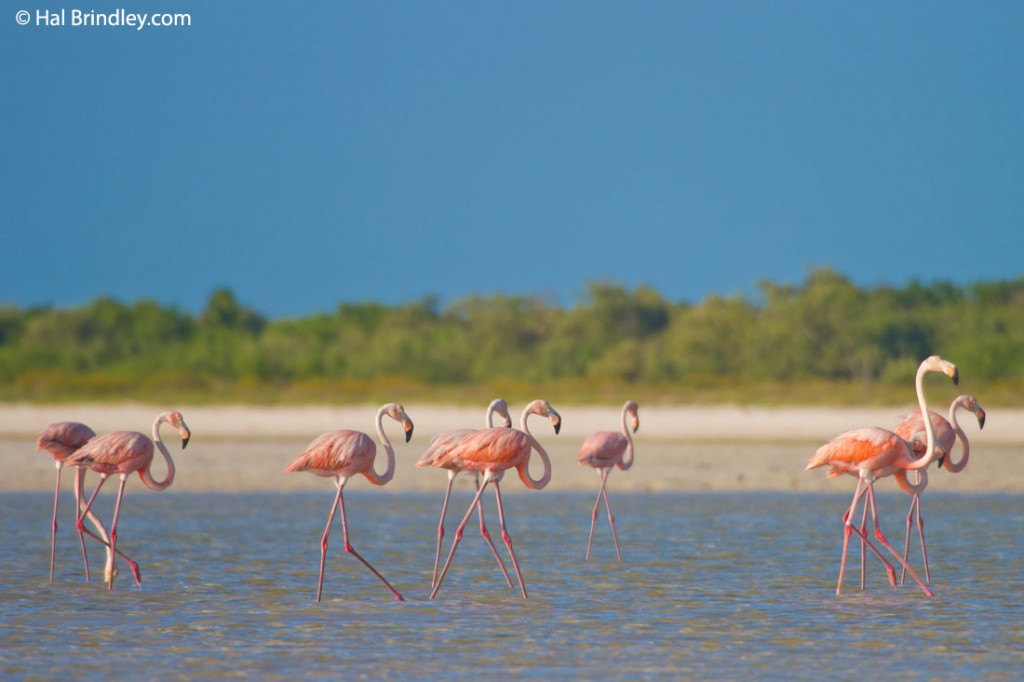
602 451
121 453
439 454
870 453
339 453
492 451
61 440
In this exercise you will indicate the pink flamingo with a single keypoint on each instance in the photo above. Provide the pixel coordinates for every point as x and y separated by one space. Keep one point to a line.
493 451
436 456
121 453
61 440
343 454
911 428
602 451
871 453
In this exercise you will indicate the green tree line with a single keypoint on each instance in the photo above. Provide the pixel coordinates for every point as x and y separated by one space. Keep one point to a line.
826 339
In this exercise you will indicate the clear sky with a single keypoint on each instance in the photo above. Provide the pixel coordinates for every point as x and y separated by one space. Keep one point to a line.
308 153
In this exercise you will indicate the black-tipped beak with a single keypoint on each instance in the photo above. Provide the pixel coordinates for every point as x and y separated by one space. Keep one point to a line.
184 441
558 426
956 377
408 433
981 420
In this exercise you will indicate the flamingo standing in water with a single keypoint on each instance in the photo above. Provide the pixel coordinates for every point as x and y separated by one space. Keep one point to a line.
493 451
911 428
61 440
343 454
436 456
602 451
123 452
871 453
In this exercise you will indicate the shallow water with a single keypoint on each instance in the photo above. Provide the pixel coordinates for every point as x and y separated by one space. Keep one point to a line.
714 585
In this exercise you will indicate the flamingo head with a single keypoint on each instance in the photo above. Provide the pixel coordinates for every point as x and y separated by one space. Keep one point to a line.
500 408
175 419
544 409
970 403
397 412
632 409
936 364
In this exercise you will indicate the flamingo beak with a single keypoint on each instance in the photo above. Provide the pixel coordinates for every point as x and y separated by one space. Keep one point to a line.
408 430
981 418
185 436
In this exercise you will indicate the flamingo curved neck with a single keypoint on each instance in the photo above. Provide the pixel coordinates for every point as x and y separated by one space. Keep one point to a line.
389 470
144 473
903 481
948 463
929 453
627 459
524 468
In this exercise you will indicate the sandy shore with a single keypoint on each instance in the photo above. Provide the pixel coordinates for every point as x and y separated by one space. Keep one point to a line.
241 448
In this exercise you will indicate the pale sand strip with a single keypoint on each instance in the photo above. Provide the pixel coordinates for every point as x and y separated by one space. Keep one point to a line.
242 448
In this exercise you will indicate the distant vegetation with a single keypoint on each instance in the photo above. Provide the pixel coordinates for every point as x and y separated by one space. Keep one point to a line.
827 341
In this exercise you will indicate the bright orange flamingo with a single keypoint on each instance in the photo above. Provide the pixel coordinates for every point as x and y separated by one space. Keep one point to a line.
343 454
911 429
61 440
492 452
121 453
604 450
436 456
871 453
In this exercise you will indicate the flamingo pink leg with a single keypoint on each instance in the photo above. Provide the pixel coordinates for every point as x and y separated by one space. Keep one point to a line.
915 507
339 502
863 547
53 537
487 536
440 530
849 528
80 523
111 571
508 538
602 493
458 536
79 477
885 543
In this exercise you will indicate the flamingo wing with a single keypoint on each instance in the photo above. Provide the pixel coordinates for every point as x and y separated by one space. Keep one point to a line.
119 452
339 453
494 449
852 451
438 452
62 439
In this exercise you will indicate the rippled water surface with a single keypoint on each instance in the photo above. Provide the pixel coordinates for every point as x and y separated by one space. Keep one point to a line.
714 585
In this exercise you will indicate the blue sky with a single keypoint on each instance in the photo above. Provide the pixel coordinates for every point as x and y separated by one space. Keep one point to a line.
305 154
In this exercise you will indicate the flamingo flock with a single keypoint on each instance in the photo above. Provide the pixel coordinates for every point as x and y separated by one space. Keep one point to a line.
868 454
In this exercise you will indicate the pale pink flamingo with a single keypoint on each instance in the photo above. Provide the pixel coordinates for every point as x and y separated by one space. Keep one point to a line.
435 456
602 451
871 453
61 440
121 453
911 428
493 451
341 455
